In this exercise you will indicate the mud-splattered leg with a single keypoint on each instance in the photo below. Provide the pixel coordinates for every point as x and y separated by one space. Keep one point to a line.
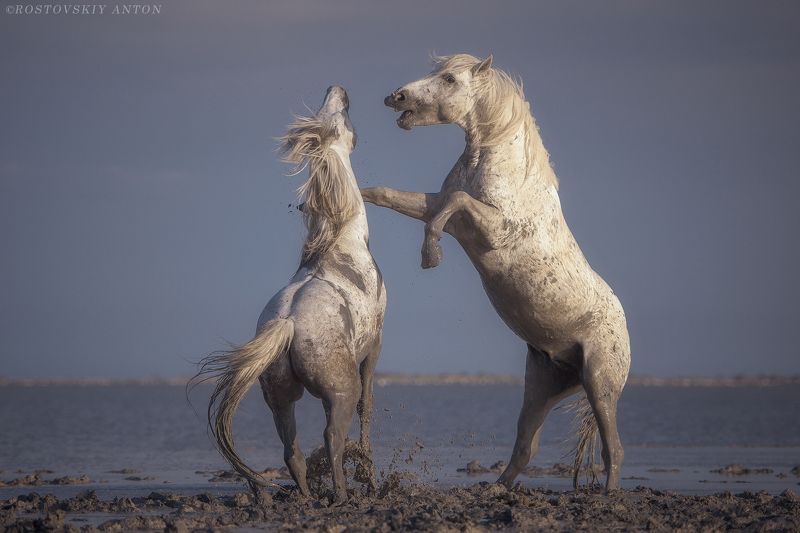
421 206
603 397
292 455
607 359
339 410
281 392
365 407
487 225
546 383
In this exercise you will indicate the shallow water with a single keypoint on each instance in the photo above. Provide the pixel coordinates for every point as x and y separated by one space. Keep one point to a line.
95 429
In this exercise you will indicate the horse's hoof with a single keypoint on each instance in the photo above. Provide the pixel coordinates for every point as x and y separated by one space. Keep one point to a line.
507 483
431 255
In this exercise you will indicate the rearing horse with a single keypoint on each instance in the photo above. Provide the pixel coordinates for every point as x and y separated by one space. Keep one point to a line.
322 331
500 201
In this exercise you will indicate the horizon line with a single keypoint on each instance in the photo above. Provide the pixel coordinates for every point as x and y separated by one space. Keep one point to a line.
398 378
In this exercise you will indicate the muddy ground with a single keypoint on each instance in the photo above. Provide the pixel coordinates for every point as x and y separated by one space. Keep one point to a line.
409 506
400 503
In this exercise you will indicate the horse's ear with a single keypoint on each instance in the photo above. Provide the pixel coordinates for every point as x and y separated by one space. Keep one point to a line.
483 66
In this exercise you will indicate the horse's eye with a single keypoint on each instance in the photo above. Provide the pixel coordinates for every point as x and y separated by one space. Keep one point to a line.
449 78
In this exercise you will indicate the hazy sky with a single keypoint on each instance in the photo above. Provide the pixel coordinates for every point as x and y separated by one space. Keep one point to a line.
143 211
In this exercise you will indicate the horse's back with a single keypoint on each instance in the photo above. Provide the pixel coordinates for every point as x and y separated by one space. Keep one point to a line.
337 307
326 350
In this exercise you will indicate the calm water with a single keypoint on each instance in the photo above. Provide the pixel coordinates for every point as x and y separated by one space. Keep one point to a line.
92 430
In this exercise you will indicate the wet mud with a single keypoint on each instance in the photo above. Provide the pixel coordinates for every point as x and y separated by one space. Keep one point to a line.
411 507
397 501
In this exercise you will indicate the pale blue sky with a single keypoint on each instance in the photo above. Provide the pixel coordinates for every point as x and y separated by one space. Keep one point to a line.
144 218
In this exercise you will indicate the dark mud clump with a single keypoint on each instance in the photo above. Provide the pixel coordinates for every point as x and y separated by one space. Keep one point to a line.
739 470
229 476
414 507
35 480
475 468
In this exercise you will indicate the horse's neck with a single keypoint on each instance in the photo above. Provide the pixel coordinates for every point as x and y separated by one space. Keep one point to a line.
517 167
355 229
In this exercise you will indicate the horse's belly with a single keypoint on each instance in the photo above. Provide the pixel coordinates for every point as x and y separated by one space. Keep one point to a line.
548 307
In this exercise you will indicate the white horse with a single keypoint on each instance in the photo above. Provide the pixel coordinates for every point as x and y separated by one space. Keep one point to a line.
500 201
322 332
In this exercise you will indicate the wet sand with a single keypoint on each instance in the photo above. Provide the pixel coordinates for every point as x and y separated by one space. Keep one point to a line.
402 506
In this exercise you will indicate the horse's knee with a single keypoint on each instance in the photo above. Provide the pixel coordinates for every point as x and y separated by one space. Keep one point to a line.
614 455
292 453
340 414
333 436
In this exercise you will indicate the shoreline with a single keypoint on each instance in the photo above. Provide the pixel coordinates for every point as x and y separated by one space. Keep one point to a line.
387 379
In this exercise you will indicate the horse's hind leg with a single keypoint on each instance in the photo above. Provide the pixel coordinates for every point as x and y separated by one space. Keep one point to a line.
281 393
546 383
365 408
606 363
340 405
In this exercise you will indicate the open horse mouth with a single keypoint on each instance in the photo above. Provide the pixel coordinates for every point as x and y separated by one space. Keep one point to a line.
405 119
397 101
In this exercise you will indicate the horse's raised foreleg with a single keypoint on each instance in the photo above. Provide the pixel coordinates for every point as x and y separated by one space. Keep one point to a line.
487 225
546 383
419 205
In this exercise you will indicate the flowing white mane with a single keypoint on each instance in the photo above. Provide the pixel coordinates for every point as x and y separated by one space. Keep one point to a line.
499 112
330 201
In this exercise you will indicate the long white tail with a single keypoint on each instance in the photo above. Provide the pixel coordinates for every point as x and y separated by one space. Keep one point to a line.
586 428
236 370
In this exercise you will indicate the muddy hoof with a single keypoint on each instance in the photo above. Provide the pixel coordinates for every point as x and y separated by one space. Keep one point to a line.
505 481
339 500
431 254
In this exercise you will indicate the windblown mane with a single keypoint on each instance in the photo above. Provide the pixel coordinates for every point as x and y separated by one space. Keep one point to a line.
500 110
329 200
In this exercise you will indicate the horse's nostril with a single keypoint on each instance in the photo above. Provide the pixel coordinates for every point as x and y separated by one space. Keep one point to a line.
399 96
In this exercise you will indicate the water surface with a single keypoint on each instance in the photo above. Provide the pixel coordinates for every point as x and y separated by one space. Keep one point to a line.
429 430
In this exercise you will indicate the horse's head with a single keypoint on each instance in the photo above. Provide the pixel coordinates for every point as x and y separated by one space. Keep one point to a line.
445 96
323 143
334 112
310 138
